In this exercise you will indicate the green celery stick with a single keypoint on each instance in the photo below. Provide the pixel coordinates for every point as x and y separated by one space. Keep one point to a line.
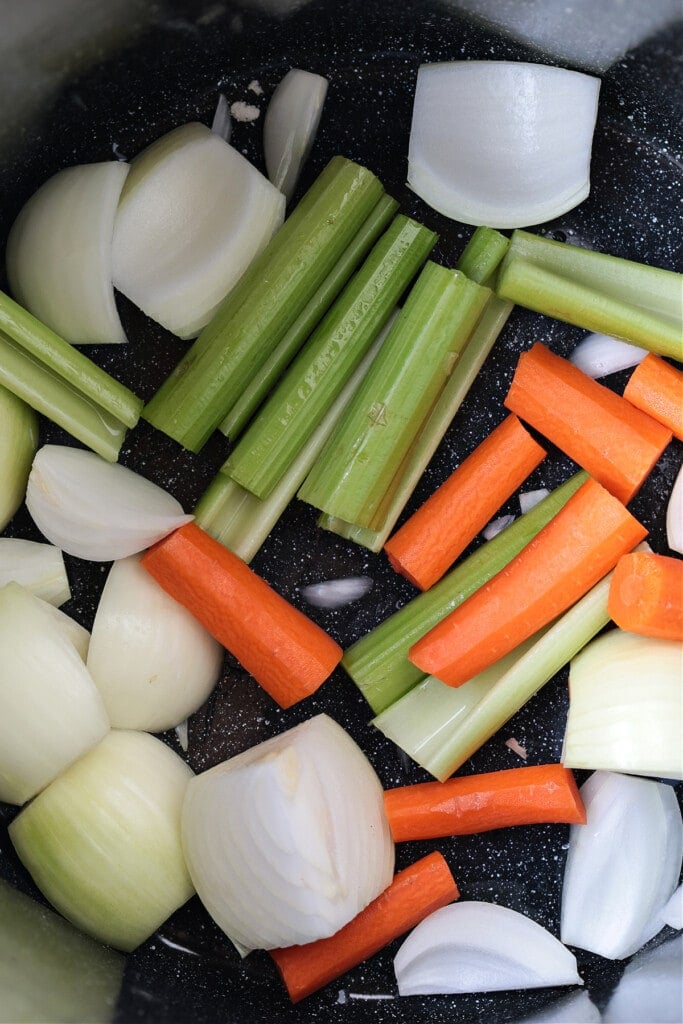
373 439
640 304
378 663
67 363
240 520
452 731
264 304
262 382
328 358
482 255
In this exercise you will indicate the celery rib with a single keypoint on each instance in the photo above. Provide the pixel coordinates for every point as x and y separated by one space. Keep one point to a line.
258 312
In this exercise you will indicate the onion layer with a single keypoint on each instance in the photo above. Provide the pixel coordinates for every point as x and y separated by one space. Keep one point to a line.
481 947
501 143
95 509
290 126
288 841
151 660
193 214
38 567
598 355
336 593
59 259
622 865
102 842
50 710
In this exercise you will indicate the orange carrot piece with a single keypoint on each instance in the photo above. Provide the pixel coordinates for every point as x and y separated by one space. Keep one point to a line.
576 549
480 803
656 388
609 438
415 892
287 653
646 595
434 536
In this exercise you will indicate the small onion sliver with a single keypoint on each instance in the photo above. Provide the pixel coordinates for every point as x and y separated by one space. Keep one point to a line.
59 255
674 515
497 526
598 355
502 143
336 593
94 509
38 567
481 947
290 126
151 660
528 499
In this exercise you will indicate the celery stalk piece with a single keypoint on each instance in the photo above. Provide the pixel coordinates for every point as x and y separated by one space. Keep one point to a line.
18 444
598 292
49 970
362 458
328 358
264 304
240 520
482 255
523 673
262 382
378 663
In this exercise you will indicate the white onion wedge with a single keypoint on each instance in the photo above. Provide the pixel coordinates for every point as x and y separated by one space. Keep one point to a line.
73 631
626 706
290 126
528 499
18 443
481 947
50 710
501 143
650 987
38 567
102 842
288 841
336 593
674 515
59 260
622 865
95 509
598 355
193 214
151 660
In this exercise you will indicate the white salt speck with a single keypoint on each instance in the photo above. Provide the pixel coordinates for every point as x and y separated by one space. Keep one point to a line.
242 111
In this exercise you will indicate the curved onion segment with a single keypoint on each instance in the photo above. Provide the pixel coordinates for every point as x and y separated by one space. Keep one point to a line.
95 509
622 865
102 842
193 215
18 443
151 660
501 143
38 567
288 841
50 710
481 947
290 126
59 260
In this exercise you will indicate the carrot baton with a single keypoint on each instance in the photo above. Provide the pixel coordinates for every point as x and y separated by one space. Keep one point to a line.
415 892
438 533
656 388
287 653
570 554
479 803
646 595
615 442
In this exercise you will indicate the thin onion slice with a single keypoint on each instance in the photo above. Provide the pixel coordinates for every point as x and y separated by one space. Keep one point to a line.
38 567
288 841
497 526
290 126
528 499
193 214
622 865
18 443
598 355
151 660
674 515
59 260
481 947
102 842
336 593
97 510
502 143
50 710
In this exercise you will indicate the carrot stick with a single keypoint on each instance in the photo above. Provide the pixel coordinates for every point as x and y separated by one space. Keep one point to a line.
434 536
289 655
576 549
415 892
601 431
646 595
480 803
656 388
